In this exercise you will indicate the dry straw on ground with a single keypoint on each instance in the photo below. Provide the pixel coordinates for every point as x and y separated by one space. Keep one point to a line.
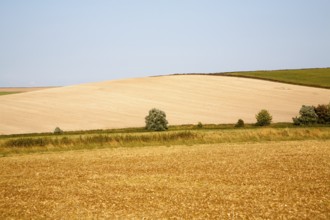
273 180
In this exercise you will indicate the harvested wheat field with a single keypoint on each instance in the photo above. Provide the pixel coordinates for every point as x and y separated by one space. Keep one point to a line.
273 180
186 99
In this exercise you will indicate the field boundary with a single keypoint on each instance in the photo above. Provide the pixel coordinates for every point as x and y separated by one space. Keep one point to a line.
67 142
274 80
241 75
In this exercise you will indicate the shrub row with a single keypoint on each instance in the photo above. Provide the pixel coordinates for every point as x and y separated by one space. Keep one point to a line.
313 115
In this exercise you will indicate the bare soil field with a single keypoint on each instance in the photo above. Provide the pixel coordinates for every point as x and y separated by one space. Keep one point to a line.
186 99
273 180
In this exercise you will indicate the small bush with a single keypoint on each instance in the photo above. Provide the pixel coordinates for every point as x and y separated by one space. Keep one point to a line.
323 114
296 121
307 116
58 131
239 123
263 118
199 125
156 120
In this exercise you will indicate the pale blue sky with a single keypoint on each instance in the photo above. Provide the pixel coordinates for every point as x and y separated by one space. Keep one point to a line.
64 42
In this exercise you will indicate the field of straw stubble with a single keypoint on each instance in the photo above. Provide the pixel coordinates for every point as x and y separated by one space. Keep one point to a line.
276 180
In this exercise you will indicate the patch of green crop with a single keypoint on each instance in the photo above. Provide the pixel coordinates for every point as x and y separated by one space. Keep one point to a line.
318 77
8 93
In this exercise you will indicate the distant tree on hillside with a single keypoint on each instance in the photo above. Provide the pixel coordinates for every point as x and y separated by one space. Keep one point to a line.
199 125
57 130
156 120
307 116
239 123
263 118
323 114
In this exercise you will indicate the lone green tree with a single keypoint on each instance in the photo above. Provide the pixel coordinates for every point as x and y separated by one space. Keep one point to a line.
263 118
239 123
57 130
156 120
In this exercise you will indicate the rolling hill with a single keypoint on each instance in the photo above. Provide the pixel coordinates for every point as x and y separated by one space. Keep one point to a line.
186 99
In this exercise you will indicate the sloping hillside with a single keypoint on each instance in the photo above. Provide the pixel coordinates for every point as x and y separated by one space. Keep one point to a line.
124 103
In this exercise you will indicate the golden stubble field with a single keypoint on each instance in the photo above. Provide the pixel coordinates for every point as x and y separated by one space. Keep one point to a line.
186 99
269 180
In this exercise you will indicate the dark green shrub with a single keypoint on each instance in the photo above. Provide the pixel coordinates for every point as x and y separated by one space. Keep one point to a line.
199 125
263 118
58 131
307 116
239 123
156 120
323 114
296 121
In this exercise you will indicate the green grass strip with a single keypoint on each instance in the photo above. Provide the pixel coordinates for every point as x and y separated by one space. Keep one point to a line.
318 77
8 93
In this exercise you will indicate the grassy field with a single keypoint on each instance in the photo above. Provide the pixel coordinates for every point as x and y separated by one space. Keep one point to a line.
267 180
319 77
7 93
